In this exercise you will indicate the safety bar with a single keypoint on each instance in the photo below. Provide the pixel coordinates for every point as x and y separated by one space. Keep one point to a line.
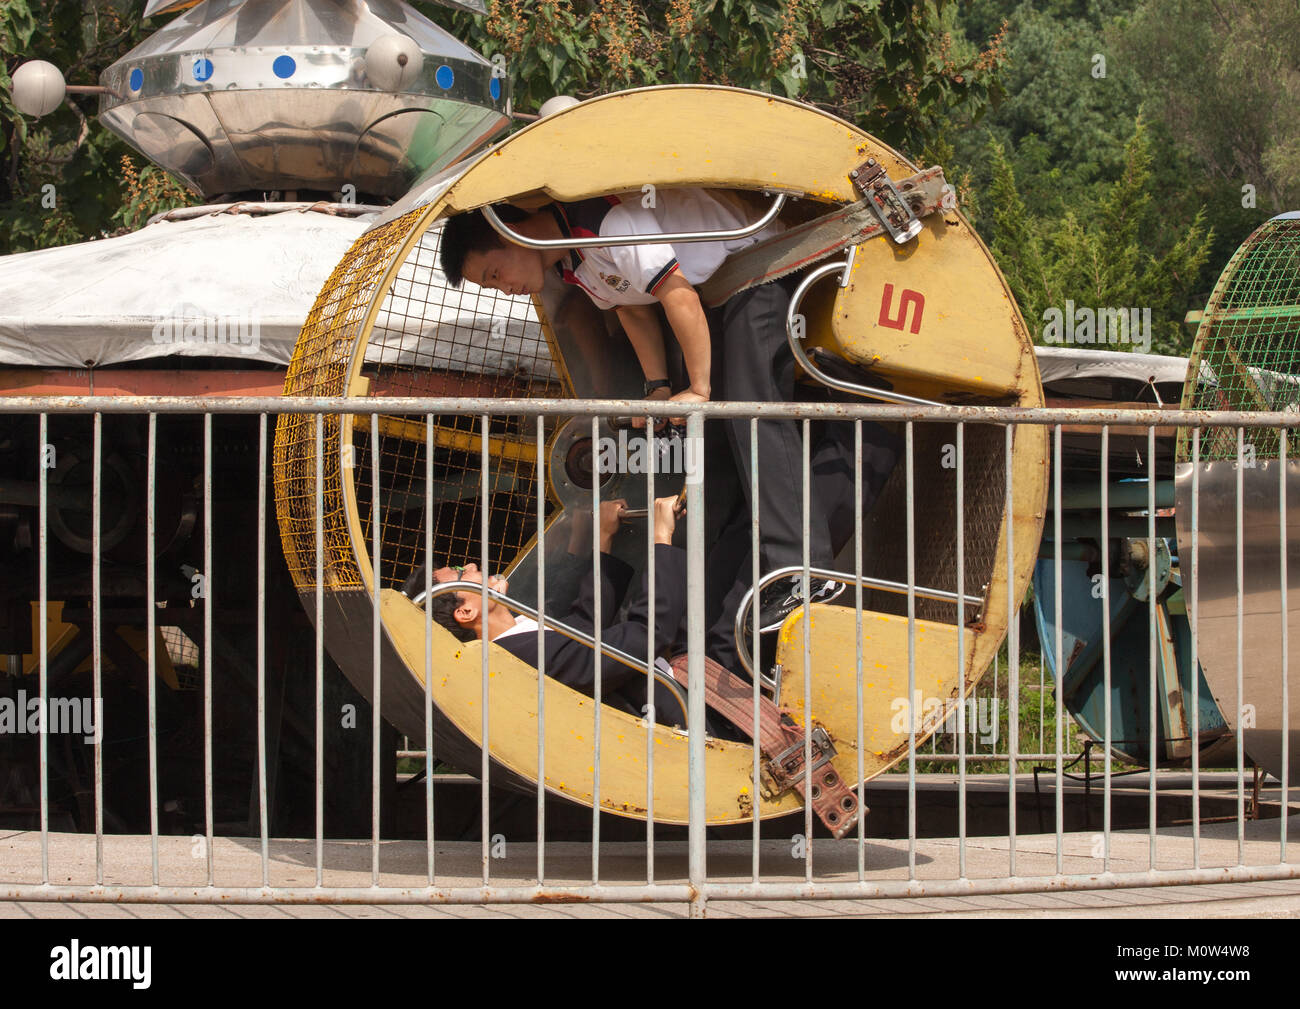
796 345
742 611
601 242
569 632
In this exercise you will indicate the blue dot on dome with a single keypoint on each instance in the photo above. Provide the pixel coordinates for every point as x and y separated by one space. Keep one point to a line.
136 79
444 77
494 88
284 66
202 69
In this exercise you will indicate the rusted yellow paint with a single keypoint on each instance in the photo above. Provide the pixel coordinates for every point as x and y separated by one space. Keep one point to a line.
912 312
512 705
720 137
884 697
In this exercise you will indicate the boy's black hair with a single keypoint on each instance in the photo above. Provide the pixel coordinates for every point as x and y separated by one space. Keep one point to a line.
470 232
443 608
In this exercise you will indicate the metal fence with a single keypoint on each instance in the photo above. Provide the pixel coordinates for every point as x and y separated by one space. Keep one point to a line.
993 427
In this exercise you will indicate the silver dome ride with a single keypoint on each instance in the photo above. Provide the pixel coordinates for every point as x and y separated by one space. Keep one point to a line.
237 96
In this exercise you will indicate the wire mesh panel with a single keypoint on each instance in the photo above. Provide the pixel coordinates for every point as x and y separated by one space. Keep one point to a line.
1247 358
321 366
432 339
1247 351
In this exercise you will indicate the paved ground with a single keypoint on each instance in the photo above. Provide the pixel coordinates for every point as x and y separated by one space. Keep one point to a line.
237 863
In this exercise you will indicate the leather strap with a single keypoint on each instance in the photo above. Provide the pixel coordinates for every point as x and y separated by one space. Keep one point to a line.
781 741
818 239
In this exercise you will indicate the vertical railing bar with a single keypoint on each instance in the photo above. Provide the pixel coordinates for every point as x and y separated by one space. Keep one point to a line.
264 812
1153 625
807 662
755 617
651 713
597 602
541 650
485 647
208 591
961 651
913 714
151 631
1042 696
993 698
1013 659
429 833
1241 580
320 649
1059 673
857 637
1286 641
696 865
376 630
1286 696
1196 659
43 465
97 691
1107 714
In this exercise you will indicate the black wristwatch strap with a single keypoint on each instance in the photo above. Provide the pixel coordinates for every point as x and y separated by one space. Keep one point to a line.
658 383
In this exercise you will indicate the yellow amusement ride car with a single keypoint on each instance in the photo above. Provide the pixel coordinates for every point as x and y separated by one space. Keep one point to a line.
902 302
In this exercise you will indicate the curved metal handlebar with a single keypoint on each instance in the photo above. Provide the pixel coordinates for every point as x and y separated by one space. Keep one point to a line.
796 346
505 232
569 632
742 611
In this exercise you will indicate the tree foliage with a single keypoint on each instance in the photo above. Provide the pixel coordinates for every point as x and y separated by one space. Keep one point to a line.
889 66
1101 255
67 158
1226 78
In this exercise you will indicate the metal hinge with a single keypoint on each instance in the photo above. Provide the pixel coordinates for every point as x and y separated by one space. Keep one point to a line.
784 771
885 199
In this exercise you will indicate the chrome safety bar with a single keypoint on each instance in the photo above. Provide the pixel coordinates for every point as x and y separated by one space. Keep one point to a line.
505 232
742 611
550 623
796 340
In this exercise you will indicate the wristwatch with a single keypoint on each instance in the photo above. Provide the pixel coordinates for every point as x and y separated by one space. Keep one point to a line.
658 383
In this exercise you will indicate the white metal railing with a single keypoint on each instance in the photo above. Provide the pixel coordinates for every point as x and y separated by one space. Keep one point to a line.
697 888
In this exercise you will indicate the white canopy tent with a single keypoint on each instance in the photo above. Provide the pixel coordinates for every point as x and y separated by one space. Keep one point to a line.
237 286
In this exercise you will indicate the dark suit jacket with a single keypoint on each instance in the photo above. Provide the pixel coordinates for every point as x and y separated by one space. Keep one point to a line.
572 662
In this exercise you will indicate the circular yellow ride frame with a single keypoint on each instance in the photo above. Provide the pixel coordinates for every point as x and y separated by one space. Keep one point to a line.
934 317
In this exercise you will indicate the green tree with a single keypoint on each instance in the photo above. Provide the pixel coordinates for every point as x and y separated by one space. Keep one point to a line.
67 158
1226 77
891 66
1102 255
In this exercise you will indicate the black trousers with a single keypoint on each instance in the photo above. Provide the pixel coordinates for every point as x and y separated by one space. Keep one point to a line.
752 361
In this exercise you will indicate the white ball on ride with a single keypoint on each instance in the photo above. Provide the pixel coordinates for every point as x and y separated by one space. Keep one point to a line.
38 88
557 104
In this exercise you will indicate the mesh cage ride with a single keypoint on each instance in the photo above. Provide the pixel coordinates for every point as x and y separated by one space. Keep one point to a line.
386 324
1237 491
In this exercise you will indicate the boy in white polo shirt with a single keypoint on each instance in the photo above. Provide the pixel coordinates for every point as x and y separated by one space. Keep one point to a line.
751 362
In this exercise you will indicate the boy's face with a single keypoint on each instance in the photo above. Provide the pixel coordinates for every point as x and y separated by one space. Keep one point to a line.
513 269
467 604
